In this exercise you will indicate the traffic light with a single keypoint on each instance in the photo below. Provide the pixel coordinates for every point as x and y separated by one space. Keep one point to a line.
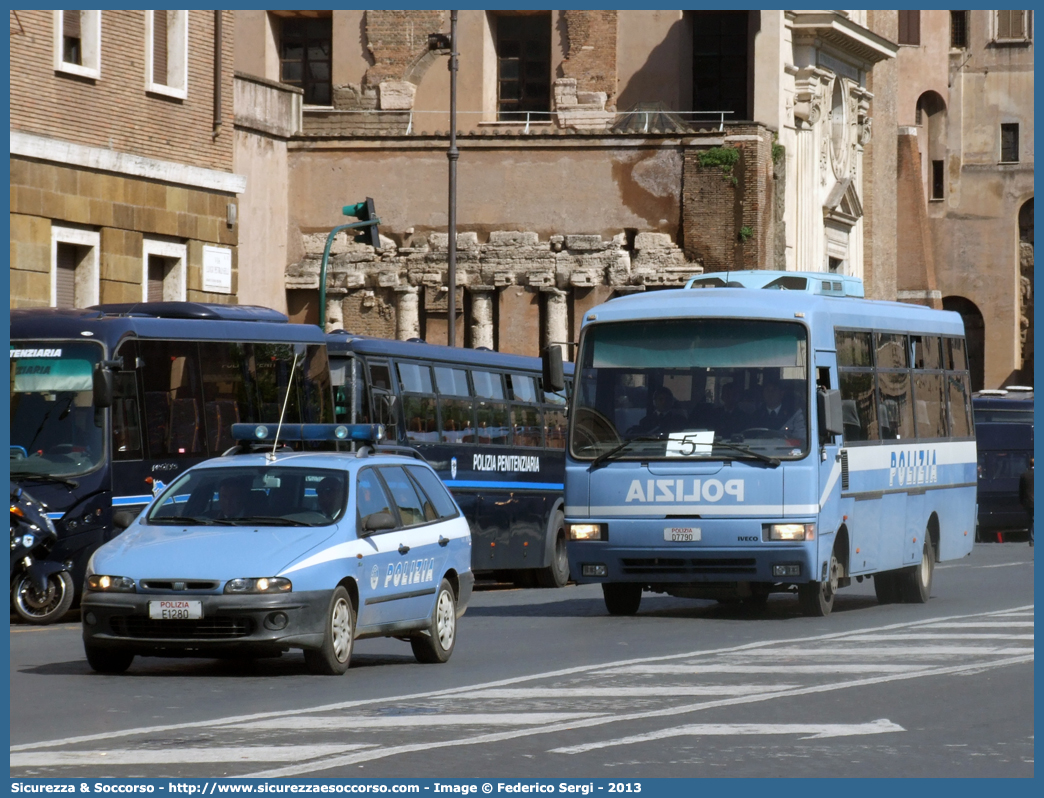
365 212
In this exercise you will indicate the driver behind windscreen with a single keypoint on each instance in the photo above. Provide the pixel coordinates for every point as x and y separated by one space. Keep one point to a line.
664 418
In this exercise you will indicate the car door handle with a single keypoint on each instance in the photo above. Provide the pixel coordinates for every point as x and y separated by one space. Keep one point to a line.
443 541
403 548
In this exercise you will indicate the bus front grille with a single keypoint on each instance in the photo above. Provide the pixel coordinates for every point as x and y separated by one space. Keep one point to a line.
202 629
662 566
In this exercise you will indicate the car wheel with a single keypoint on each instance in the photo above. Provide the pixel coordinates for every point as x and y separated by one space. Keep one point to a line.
108 660
335 654
557 573
817 598
915 586
622 598
436 643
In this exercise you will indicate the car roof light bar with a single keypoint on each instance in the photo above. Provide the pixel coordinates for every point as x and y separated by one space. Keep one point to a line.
360 433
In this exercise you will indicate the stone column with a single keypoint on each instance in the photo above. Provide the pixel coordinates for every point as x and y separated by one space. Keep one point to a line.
808 111
557 319
408 315
482 315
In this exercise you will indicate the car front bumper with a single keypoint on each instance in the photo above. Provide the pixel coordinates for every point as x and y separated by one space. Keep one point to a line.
241 625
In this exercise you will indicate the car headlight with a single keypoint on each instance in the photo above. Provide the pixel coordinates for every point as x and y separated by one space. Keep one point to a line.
789 531
588 532
110 584
264 584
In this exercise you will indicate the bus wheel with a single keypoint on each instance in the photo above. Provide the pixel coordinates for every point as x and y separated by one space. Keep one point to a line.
886 587
622 598
557 573
916 585
817 598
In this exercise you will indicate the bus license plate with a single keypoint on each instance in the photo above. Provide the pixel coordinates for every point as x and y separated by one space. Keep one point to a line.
175 610
681 534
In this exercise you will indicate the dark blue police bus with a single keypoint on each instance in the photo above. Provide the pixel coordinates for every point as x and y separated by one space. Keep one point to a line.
1004 433
487 425
110 403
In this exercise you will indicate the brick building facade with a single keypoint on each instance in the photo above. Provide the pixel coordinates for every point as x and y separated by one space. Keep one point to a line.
602 152
122 186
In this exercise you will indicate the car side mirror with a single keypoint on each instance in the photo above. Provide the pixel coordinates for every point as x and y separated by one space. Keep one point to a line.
123 519
831 421
378 522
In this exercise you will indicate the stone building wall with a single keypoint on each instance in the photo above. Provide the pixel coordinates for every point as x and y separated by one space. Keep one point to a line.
591 54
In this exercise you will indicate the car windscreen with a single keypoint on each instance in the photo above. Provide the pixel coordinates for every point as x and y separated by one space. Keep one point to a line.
253 496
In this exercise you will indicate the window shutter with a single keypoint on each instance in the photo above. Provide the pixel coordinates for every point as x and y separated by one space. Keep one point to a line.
159 46
1003 25
71 24
155 287
65 276
915 27
1018 24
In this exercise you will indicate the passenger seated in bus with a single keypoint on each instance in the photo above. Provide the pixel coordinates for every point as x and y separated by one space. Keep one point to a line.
664 418
729 418
330 493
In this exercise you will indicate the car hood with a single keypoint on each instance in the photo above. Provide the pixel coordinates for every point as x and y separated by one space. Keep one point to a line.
224 552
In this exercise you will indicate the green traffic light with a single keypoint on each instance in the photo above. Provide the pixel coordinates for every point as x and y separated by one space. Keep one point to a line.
357 210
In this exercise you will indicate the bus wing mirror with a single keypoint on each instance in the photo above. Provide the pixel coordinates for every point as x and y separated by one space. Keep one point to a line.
103 381
831 420
554 374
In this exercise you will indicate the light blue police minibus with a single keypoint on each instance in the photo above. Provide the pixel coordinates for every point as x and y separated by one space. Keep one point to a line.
730 442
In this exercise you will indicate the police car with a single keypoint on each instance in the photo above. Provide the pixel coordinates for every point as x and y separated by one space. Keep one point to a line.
264 550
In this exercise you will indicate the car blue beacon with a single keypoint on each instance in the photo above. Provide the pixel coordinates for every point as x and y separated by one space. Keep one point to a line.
266 549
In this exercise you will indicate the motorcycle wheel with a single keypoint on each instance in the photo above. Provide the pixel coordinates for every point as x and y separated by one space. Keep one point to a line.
47 606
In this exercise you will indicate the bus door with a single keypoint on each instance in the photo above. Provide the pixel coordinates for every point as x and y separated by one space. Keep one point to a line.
830 459
383 400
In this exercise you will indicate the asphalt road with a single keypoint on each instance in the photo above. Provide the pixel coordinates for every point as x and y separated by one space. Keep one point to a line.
544 682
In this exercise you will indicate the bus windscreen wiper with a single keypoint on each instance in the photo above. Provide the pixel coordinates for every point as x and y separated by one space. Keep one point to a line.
747 451
71 484
606 456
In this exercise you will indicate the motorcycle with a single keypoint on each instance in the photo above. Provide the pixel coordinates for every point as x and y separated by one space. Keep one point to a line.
41 589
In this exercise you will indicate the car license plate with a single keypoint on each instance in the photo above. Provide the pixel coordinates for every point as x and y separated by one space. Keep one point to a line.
175 610
681 534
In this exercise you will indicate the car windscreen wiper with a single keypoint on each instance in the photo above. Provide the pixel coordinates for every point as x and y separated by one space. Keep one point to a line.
71 484
748 452
606 456
269 520
191 520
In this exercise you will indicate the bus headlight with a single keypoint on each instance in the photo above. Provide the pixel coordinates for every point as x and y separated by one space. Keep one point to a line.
588 532
789 531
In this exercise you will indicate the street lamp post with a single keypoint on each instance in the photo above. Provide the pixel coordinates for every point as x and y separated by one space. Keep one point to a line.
453 155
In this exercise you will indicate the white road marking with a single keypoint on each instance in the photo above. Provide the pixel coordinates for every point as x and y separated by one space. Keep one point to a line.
900 638
987 624
888 651
355 723
696 669
1005 564
666 691
452 691
816 731
181 756
386 751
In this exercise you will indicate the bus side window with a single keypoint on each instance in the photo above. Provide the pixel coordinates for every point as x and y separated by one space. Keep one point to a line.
418 402
554 426
894 409
224 392
126 424
959 399
492 424
385 409
456 410
929 405
858 406
173 399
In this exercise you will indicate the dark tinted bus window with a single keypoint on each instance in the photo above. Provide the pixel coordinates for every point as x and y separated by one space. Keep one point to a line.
493 425
526 424
380 376
859 406
853 348
435 491
351 399
891 351
451 382
173 399
488 385
958 361
894 409
421 421
927 351
554 427
226 384
411 508
370 496
457 423
929 405
959 405
414 378
126 425
523 389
